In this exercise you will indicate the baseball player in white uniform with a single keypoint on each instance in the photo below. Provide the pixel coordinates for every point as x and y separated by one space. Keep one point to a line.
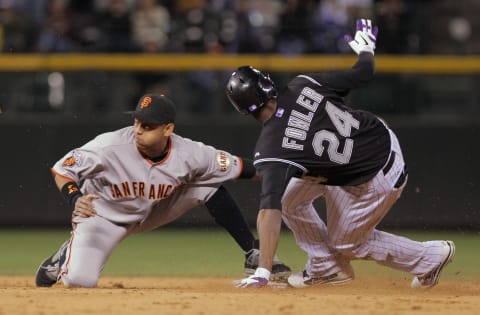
134 180
312 145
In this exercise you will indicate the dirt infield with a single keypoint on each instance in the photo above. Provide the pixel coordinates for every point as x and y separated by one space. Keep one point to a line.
160 296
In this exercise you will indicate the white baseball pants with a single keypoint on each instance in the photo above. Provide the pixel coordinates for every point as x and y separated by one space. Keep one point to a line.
353 212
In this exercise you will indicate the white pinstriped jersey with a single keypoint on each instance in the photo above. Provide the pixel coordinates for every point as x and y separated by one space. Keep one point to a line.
129 185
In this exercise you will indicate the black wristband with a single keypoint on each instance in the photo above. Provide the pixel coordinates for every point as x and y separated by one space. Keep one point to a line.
248 170
71 192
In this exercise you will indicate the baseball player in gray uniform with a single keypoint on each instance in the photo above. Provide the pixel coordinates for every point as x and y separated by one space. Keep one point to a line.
136 179
313 145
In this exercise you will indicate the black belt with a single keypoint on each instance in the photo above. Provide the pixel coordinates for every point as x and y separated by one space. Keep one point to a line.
401 179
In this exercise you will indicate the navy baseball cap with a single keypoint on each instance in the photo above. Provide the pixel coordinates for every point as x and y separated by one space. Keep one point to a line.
155 109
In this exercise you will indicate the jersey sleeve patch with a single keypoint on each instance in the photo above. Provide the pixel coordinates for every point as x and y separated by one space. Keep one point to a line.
224 160
73 160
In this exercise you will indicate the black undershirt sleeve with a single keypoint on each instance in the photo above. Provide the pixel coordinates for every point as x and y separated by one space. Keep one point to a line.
362 72
226 212
248 170
275 177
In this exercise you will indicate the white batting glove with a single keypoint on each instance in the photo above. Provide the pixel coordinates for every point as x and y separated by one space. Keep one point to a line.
365 37
258 280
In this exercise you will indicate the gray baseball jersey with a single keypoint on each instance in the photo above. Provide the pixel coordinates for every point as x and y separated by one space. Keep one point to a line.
129 185
136 195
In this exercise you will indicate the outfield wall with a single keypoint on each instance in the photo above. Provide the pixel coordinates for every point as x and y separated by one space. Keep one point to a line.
443 189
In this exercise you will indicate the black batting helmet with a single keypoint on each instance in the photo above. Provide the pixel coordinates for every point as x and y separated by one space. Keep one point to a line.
248 89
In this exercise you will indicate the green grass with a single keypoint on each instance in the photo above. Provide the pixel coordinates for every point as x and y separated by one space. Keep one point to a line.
203 252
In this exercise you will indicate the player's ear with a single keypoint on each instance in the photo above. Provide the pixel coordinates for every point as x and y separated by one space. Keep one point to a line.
168 130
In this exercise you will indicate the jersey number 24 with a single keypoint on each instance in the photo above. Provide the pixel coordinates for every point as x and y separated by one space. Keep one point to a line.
343 122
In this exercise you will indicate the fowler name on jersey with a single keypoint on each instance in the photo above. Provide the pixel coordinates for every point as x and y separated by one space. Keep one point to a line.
299 123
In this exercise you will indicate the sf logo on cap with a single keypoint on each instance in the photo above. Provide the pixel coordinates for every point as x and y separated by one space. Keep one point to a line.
145 102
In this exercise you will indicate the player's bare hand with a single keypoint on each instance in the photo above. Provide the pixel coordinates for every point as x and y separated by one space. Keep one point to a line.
84 206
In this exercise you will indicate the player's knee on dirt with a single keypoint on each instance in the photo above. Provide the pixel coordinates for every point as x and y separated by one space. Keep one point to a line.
80 280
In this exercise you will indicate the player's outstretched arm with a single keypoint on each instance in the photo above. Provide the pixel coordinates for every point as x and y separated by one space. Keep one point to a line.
363 70
269 223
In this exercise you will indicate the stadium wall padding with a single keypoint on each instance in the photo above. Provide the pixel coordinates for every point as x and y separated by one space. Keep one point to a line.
442 191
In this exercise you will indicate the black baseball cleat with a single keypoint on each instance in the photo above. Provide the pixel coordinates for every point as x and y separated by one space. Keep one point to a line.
280 271
303 280
49 270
